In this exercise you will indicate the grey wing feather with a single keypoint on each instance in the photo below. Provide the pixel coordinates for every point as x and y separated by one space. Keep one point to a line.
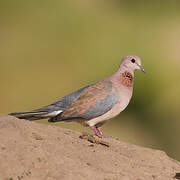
93 111
93 102
101 107
62 103
50 110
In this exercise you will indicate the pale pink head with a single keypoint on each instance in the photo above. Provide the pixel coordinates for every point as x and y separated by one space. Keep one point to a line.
131 63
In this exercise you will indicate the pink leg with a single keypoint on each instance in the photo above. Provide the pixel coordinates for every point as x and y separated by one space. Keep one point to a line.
100 132
97 131
94 130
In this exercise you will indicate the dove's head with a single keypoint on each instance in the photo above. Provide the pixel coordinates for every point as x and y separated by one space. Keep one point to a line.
131 63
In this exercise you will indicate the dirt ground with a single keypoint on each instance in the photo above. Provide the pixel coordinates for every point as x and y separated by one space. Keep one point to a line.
29 150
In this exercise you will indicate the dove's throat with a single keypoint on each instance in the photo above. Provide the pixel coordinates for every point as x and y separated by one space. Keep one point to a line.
127 79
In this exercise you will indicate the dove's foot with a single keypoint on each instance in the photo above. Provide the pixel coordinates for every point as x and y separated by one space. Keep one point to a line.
97 131
100 133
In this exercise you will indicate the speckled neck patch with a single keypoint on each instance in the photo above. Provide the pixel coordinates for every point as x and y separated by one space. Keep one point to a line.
127 79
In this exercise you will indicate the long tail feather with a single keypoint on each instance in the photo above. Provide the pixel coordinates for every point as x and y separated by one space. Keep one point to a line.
42 113
30 115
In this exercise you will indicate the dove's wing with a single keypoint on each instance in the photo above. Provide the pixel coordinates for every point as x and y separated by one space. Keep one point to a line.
94 101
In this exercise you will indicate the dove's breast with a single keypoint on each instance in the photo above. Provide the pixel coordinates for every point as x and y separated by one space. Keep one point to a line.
124 97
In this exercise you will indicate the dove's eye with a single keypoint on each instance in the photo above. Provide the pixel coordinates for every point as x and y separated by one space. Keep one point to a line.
133 60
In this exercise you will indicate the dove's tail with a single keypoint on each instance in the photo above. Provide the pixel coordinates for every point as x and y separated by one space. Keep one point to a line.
35 115
30 115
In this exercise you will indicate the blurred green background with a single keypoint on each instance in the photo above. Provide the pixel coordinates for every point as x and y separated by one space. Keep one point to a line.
49 49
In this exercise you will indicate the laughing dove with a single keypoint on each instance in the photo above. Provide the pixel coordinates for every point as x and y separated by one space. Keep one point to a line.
95 104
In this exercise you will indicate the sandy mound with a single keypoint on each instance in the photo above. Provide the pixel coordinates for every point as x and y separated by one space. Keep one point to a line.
30 150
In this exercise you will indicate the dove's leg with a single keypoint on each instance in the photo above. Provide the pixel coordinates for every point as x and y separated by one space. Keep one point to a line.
94 130
100 132
97 131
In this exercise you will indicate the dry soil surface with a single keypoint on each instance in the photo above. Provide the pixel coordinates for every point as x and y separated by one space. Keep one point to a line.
29 150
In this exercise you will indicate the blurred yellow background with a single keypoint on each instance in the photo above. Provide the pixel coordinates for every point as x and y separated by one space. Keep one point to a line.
49 49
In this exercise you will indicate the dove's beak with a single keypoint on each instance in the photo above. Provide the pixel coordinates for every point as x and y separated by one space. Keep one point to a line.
141 68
